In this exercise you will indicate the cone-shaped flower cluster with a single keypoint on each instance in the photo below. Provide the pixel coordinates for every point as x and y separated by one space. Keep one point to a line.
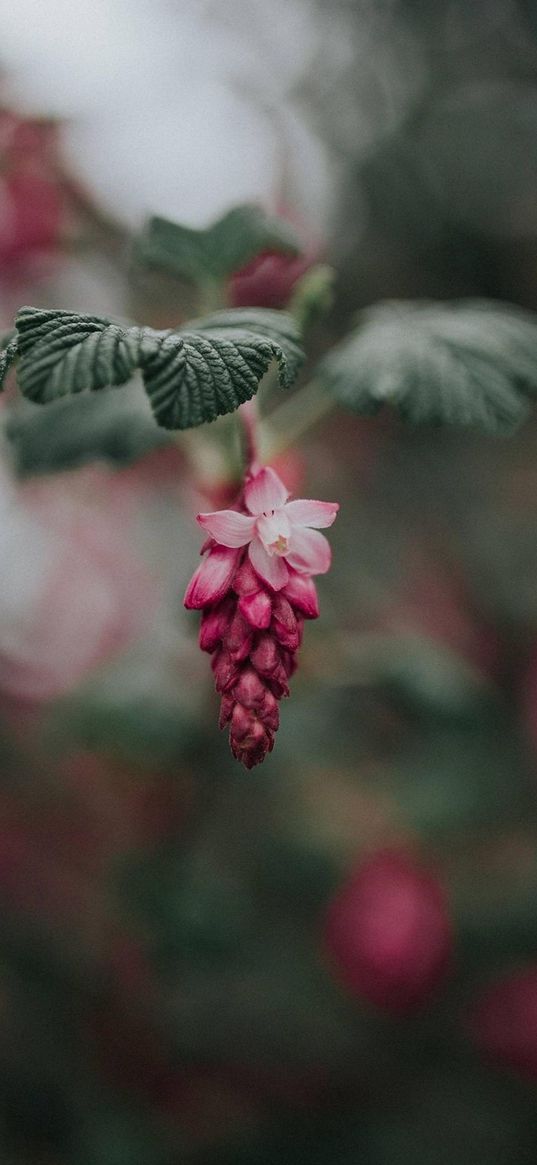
255 589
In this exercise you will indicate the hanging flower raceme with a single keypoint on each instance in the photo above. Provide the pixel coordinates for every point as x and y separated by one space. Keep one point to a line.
255 589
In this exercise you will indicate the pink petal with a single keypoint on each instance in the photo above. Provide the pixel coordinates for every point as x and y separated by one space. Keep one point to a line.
272 569
309 551
228 527
212 579
265 492
305 512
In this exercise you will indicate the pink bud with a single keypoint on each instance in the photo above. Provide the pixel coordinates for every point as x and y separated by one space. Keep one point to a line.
241 721
239 638
211 581
278 684
302 594
284 624
257 609
226 671
253 748
270 712
268 280
504 1021
245 581
214 624
266 656
249 689
288 662
226 709
389 933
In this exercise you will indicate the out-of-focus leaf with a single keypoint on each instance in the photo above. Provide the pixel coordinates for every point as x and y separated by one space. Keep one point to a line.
422 674
144 731
121 1136
470 363
190 376
455 778
458 1116
224 247
72 432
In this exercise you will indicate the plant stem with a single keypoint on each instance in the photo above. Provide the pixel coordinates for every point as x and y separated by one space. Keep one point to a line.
212 296
250 432
291 420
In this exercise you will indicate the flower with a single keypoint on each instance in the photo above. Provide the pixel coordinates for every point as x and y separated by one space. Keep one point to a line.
279 533
255 589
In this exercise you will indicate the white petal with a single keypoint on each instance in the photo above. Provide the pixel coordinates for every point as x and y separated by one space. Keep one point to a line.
274 532
270 568
306 512
228 527
265 492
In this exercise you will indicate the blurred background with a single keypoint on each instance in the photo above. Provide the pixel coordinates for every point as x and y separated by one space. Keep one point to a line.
332 958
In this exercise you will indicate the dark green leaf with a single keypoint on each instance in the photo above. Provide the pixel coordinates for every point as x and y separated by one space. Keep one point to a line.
470 363
191 376
8 354
62 353
214 253
196 376
277 327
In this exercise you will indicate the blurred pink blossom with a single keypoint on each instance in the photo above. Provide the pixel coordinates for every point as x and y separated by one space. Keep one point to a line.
503 1021
388 932
74 591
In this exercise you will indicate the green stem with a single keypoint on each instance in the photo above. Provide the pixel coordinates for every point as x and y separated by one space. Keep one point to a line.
212 296
291 420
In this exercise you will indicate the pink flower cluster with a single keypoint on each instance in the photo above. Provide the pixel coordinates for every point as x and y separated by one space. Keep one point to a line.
255 589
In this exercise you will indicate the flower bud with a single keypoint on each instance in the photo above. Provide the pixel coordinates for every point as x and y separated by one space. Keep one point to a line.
301 592
226 671
239 638
266 656
249 689
284 624
257 609
246 581
253 748
214 624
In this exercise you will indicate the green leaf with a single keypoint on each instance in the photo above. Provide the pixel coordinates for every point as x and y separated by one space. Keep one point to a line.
196 376
8 353
214 253
63 353
470 363
245 232
277 327
191 376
